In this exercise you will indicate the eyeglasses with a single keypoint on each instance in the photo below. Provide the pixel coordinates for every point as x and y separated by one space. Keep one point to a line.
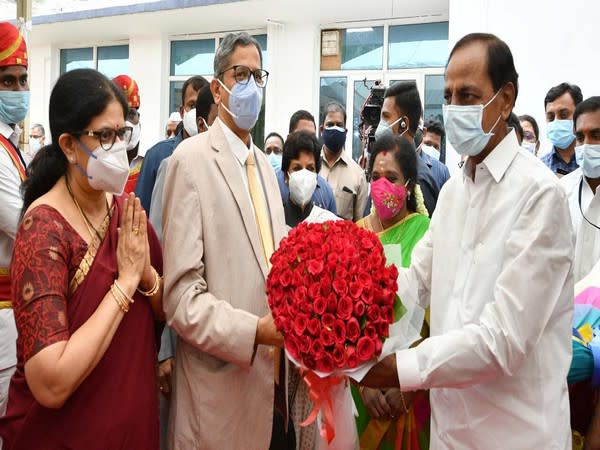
133 115
242 75
107 136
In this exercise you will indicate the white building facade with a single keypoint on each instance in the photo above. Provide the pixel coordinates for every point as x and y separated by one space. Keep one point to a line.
315 51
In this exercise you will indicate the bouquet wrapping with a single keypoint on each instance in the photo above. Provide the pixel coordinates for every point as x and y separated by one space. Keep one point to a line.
333 296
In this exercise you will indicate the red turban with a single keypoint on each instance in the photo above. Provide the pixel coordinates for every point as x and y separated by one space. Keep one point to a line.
130 89
13 50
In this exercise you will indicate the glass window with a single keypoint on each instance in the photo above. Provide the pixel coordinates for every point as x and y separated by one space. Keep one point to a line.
361 92
434 97
332 89
175 88
113 60
192 57
362 48
262 40
76 58
422 45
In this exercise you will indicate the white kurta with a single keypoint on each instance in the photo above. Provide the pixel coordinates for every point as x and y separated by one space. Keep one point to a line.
587 246
10 209
496 269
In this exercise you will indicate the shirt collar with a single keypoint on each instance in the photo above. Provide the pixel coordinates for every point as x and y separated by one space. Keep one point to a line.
342 157
501 157
6 130
236 145
556 155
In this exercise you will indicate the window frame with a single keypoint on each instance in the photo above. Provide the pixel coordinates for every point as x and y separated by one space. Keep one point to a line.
94 46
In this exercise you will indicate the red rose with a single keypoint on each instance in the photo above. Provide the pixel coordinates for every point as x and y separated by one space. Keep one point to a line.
359 309
317 349
315 267
314 326
365 348
383 329
367 296
339 356
300 324
325 363
331 302
373 313
345 308
364 279
287 325
371 332
328 320
285 278
339 329
378 347
326 285
309 362
352 330
314 290
340 286
327 337
300 294
319 305
351 357
304 343
291 344
332 259
355 290
387 313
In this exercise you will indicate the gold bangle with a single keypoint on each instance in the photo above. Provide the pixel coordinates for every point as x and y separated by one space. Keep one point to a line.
154 288
127 297
120 301
403 403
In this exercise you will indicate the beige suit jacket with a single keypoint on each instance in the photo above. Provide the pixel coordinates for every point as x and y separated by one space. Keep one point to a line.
214 293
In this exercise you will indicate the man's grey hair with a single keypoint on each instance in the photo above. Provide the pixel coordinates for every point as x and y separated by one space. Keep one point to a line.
228 45
39 127
333 107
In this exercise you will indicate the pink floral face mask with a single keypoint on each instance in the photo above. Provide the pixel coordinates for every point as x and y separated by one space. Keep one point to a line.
388 197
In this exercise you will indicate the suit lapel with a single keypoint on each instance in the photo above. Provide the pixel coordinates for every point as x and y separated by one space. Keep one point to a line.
273 197
228 166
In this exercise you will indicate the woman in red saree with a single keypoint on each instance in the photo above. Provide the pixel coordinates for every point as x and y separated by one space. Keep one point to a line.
86 286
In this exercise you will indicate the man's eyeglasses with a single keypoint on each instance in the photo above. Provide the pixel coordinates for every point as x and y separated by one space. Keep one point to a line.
242 75
107 136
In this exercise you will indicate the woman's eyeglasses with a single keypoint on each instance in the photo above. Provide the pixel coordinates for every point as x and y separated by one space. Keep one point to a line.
242 75
108 136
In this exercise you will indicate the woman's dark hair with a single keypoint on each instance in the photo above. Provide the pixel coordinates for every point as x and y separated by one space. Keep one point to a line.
204 101
514 122
300 142
405 156
77 97
534 125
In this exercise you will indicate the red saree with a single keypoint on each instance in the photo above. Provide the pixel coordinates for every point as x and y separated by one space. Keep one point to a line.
116 406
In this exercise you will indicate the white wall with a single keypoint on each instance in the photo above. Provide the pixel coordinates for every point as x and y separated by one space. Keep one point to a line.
40 82
551 41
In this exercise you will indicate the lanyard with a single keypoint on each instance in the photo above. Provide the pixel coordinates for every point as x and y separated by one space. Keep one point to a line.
581 210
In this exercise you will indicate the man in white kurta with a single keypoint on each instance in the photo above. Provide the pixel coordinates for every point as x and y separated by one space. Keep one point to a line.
13 84
496 269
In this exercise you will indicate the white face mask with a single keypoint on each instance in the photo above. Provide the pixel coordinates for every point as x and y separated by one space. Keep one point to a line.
107 170
302 186
383 128
135 134
189 122
588 158
529 146
431 151
34 145
464 129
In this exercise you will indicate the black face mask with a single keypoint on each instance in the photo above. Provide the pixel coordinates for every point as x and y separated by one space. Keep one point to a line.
334 138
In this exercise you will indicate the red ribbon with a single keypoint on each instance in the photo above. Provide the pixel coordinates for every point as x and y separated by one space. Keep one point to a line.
320 394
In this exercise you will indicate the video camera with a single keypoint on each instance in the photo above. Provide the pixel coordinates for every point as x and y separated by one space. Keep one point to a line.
370 115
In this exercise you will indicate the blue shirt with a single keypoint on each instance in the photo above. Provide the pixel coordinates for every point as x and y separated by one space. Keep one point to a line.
152 160
557 165
439 171
322 197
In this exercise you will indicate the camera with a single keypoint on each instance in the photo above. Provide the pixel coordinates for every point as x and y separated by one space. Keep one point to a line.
370 115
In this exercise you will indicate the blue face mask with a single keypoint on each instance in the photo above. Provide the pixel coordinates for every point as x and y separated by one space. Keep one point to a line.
13 106
275 160
245 101
334 138
588 158
560 133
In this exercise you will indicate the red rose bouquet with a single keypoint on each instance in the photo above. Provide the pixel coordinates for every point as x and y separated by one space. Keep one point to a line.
333 298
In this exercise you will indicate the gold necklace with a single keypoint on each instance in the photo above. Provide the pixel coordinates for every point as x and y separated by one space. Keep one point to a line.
87 221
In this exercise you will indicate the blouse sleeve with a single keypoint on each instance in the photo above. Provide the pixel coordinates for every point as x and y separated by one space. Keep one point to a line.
39 277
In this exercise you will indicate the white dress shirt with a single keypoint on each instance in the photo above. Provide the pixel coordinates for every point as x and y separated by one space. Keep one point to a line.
10 210
587 246
496 269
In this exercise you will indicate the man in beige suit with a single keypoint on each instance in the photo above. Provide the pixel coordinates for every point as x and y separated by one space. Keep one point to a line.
222 217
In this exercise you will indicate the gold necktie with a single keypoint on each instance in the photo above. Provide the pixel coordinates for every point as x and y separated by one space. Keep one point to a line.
264 230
